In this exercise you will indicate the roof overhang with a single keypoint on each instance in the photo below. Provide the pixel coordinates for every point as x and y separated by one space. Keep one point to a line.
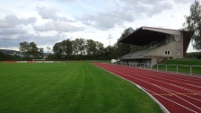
145 35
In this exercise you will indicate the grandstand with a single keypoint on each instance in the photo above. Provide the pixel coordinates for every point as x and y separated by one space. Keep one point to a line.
157 44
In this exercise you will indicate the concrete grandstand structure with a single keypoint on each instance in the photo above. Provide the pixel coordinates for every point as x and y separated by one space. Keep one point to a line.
157 45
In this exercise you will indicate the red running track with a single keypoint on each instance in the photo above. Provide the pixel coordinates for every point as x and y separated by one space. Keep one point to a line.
179 94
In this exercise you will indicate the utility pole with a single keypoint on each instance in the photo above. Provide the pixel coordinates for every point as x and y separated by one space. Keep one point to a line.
109 38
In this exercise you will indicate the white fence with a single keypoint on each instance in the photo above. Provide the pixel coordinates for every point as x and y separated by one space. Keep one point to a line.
28 61
190 69
187 69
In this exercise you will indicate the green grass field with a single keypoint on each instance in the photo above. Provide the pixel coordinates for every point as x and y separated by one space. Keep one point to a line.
183 65
68 88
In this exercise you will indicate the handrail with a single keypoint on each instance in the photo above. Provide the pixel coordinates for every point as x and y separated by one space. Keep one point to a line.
189 69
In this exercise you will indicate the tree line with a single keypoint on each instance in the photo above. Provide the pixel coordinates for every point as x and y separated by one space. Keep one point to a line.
88 49
78 49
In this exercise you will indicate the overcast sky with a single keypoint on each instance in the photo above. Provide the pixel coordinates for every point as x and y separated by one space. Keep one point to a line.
46 22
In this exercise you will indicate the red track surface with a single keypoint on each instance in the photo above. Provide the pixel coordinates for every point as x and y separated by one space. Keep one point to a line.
179 94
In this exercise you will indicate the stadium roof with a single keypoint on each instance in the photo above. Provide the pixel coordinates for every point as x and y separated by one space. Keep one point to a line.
145 35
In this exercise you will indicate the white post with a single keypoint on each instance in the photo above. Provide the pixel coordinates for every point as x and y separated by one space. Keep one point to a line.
190 70
157 67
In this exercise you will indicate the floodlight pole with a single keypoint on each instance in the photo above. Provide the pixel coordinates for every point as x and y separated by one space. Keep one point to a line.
109 38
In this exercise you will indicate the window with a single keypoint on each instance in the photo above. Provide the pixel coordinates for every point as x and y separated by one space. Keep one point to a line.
167 52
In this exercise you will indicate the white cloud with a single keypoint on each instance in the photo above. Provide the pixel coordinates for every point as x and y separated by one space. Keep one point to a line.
183 1
14 40
12 31
47 13
10 21
50 13
59 26
129 12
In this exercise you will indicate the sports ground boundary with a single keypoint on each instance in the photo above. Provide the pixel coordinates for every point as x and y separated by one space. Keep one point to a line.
13 61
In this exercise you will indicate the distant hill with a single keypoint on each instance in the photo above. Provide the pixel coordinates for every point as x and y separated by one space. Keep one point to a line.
10 52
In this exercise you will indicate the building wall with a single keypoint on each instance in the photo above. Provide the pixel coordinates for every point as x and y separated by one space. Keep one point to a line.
154 61
175 47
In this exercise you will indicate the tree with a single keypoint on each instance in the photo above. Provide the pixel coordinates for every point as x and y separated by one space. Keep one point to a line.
90 47
48 49
126 32
33 50
109 52
3 56
40 51
121 48
57 49
79 46
99 48
63 49
30 49
78 49
24 46
67 46
193 24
